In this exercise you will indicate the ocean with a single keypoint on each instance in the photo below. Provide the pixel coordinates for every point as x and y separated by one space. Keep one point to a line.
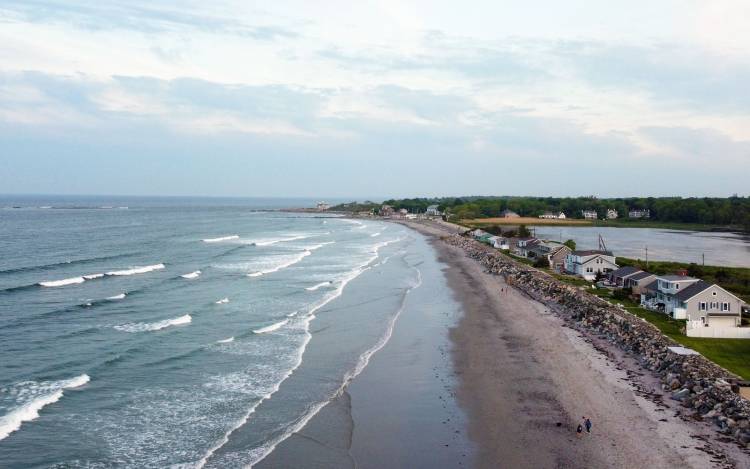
172 332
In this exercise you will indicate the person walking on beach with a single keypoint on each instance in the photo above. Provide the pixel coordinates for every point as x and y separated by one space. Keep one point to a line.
587 422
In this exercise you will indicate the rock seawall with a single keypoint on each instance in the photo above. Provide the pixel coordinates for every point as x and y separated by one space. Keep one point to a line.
696 382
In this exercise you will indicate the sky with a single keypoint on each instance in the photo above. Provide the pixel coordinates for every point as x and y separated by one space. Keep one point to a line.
375 98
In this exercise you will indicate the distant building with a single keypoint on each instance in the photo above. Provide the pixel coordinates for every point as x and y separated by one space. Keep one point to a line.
386 211
552 215
611 214
525 246
403 211
589 214
322 206
588 264
638 281
555 253
509 214
619 276
433 211
639 213
499 242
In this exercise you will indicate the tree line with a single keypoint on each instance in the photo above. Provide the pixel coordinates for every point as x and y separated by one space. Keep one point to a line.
730 211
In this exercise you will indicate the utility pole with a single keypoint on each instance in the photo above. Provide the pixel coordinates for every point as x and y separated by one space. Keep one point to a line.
647 257
703 255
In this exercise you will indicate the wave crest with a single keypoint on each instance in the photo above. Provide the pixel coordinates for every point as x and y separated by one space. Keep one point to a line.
154 326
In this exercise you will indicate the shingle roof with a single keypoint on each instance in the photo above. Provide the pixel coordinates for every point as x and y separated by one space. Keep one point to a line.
652 285
641 275
626 270
591 252
675 278
692 290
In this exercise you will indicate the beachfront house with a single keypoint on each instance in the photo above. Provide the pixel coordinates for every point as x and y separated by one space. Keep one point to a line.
525 246
638 281
322 206
432 211
589 214
639 213
507 213
587 264
612 214
386 211
708 309
555 253
499 242
552 216
618 277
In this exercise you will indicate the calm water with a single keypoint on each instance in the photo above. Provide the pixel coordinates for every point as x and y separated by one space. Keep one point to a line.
164 333
727 249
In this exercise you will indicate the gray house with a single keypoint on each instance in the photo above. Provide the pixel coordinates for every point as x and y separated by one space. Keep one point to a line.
711 311
638 281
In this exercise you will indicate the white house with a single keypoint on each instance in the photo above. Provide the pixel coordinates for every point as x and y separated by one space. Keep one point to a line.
552 216
507 213
589 214
499 242
322 206
588 264
612 214
639 213
433 211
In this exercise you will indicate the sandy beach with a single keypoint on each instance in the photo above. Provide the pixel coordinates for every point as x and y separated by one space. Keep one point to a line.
508 371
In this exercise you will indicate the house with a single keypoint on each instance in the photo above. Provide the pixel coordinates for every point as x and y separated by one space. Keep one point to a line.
552 216
433 211
403 211
611 214
639 213
661 294
322 206
525 246
555 253
386 211
619 276
638 281
588 264
589 214
411 216
509 214
499 242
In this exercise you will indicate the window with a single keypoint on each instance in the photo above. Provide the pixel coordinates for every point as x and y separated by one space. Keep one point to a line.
676 286
713 293
725 306
702 306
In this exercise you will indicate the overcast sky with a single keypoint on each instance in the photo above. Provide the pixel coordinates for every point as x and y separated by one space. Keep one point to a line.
375 98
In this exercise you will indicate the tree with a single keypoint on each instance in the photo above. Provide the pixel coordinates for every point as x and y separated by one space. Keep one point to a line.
541 261
523 232
571 244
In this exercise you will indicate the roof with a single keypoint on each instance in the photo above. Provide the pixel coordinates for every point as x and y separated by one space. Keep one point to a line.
625 271
432 207
692 290
591 252
676 278
652 285
641 275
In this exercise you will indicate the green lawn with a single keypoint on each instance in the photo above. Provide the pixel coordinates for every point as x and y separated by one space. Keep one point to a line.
666 225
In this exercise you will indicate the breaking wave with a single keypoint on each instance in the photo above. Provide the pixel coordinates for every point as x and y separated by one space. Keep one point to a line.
63 282
222 301
136 270
283 265
154 326
272 327
220 239
121 296
192 275
225 341
42 394
320 285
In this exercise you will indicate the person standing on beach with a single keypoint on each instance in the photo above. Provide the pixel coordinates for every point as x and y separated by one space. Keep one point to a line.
587 422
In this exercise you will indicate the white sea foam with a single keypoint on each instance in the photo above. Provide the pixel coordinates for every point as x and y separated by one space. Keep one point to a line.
263 451
220 239
40 395
222 301
63 282
272 327
318 246
154 326
93 276
192 275
269 242
136 270
121 296
225 341
320 285
283 265
375 235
